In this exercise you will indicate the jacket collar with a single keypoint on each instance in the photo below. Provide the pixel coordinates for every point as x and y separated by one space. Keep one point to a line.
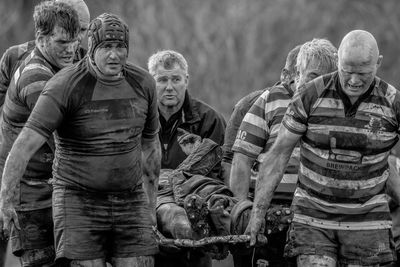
190 112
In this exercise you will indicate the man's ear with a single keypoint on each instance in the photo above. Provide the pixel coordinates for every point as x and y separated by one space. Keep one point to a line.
187 79
380 58
40 39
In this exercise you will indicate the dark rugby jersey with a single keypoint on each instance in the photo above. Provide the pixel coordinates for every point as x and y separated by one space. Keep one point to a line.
344 153
99 125
25 87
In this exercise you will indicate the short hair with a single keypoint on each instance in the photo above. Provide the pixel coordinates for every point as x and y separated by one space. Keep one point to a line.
289 71
167 59
80 7
49 14
320 49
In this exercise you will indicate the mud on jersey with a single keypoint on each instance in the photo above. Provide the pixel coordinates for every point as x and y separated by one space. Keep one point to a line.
12 59
25 87
259 129
344 152
99 125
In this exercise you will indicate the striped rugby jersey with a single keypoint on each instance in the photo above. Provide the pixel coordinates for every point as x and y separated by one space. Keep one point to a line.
25 87
232 127
344 153
260 127
12 59
9 62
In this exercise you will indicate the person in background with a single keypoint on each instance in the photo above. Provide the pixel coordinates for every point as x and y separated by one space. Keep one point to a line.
181 117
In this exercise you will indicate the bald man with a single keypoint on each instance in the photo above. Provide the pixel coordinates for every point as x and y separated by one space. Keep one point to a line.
346 123
15 55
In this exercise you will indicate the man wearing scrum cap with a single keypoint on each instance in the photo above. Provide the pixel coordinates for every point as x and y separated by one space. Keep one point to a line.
57 28
107 156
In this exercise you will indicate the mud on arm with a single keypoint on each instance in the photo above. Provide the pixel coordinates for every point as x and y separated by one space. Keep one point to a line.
151 164
27 143
271 172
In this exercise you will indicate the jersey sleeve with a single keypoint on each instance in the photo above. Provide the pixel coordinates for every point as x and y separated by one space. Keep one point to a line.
396 108
254 131
31 84
295 119
5 75
50 107
231 131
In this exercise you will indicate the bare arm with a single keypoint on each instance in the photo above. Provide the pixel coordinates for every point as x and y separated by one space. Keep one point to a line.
393 181
151 164
239 181
271 172
26 144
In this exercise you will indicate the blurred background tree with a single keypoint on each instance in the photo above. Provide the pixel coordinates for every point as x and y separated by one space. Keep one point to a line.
233 46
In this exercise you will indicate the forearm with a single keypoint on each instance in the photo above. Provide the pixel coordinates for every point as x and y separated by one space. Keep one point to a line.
271 172
393 182
240 175
14 169
151 163
16 163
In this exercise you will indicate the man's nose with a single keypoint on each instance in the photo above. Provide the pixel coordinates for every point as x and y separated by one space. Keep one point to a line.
354 78
169 85
113 53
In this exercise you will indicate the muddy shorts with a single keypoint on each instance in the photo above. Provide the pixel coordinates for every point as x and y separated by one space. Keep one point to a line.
33 244
95 225
360 247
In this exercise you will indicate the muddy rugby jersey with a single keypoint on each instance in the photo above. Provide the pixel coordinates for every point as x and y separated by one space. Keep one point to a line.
99 125
233 125
344 153
25 87
12 59
260 127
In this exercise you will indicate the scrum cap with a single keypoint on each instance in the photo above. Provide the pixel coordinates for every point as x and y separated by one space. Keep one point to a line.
107 28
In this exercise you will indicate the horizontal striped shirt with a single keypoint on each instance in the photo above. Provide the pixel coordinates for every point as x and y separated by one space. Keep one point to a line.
232 127
13 57
26 85
260 128
343 153
9 62
261 124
